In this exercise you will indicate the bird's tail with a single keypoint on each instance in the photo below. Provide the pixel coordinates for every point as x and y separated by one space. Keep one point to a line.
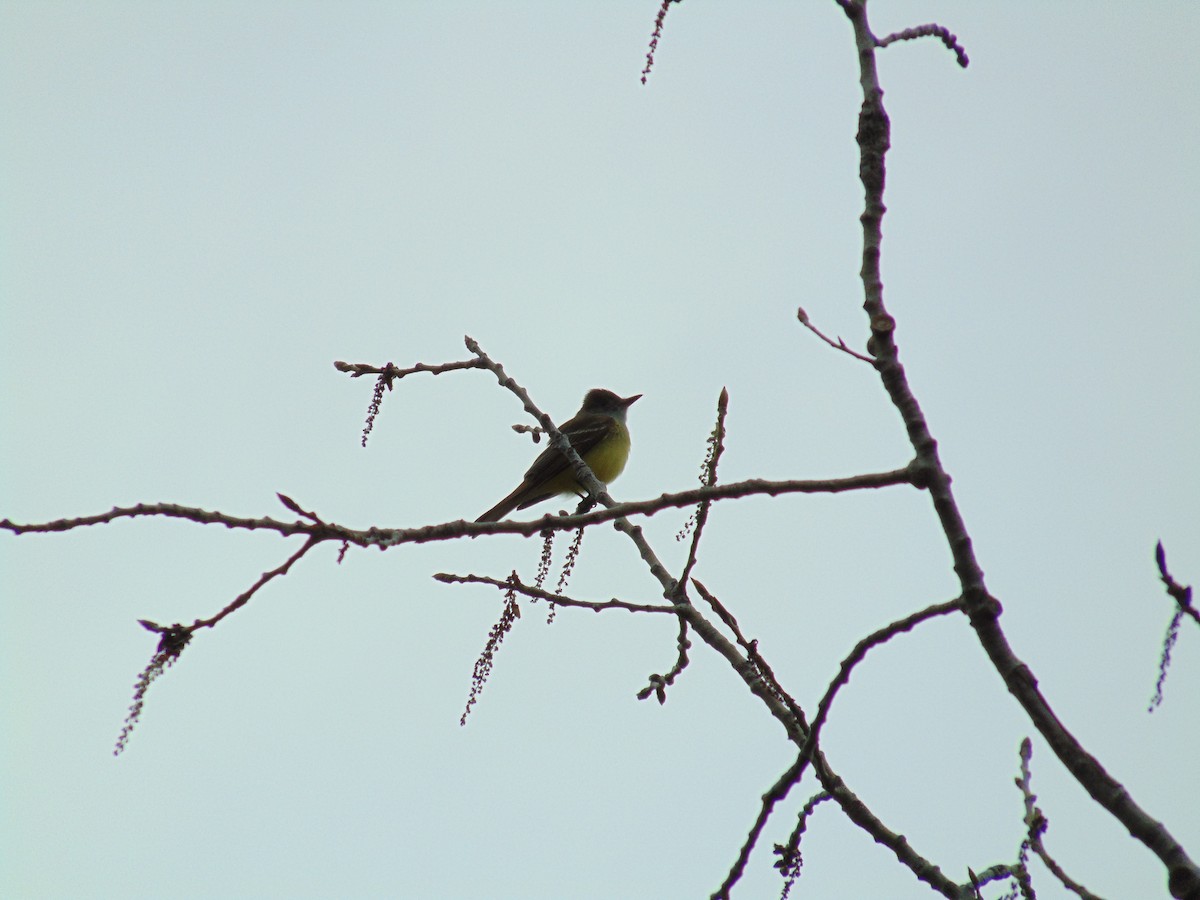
505 506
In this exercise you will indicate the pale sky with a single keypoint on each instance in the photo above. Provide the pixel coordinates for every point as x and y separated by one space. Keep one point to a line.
205 204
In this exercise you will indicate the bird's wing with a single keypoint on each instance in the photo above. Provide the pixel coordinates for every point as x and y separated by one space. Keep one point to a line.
584 433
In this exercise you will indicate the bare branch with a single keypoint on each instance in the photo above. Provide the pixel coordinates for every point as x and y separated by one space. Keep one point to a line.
167 510
174 638
839 344
538 594
789 863
857 655
388 375
1036 824
860 814
982 609
243 598
756 659
295 507
759 676
833 785
1000 872
392 372
790 860
930 30
659 683
459 528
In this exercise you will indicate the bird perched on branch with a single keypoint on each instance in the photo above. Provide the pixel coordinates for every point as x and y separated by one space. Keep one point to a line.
599 435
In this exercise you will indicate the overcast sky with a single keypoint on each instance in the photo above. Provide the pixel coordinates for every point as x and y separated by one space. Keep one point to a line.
205 204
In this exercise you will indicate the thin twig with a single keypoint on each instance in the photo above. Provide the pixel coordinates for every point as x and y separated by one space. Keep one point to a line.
839 344
1036 825
174 638
858 654
388 375
243 598
392 372
716 446
755 658
560 599
790 859
809 752
658 684
774 795
930 30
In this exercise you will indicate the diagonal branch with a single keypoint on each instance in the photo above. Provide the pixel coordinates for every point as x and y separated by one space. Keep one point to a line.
839 344
982 609
1036 824
857 655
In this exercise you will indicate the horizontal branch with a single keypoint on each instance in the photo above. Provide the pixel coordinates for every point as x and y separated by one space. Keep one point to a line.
386 537
166 510
734 489
357 370
931 30
559 599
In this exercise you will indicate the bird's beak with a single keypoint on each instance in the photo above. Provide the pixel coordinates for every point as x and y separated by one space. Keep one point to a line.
628 401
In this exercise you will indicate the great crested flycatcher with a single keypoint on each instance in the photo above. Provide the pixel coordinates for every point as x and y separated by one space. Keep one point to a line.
598 434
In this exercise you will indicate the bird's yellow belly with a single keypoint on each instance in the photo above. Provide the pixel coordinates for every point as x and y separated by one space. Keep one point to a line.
608 460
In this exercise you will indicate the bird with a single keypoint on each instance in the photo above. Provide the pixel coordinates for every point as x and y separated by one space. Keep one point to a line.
597 433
